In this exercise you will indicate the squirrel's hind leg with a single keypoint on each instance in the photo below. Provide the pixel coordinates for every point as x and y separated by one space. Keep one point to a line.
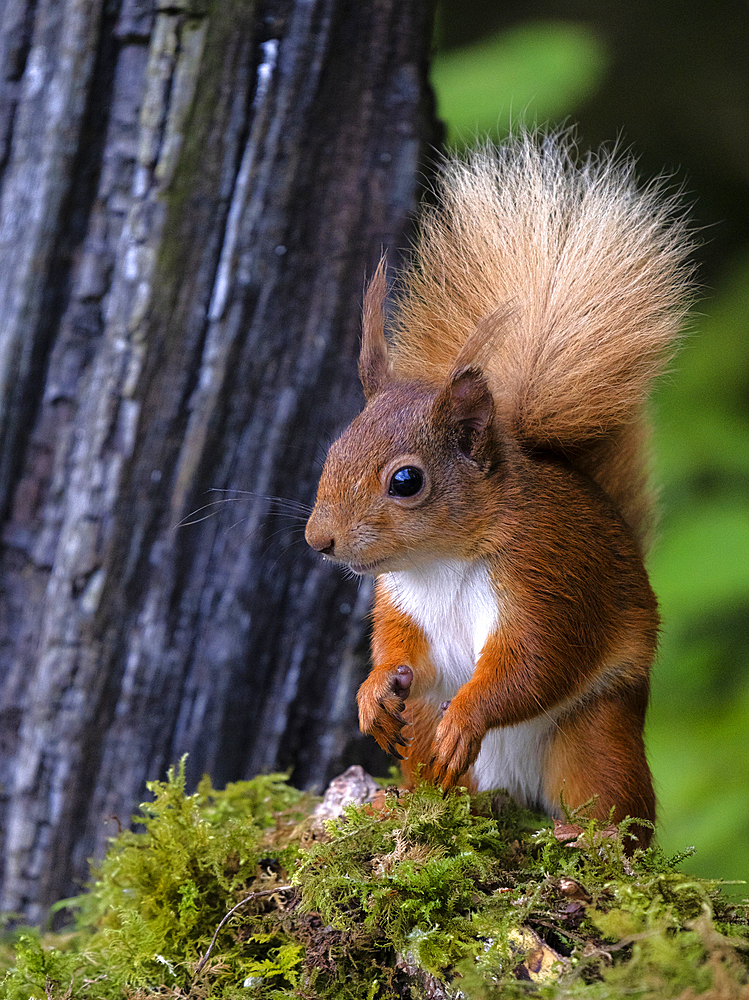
597 751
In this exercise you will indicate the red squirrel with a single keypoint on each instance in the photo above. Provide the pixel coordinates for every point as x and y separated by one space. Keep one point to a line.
496 483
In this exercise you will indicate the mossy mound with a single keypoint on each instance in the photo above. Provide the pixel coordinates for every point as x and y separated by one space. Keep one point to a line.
425 896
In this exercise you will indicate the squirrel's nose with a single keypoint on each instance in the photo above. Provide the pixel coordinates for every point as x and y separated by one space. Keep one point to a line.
320 540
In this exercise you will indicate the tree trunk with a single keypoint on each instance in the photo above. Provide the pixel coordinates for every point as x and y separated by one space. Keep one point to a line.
191 195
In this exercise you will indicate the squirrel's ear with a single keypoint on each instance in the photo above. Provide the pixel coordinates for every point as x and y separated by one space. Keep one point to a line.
373 359
470 407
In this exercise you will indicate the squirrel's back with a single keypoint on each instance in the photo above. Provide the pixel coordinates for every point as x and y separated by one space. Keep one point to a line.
578 283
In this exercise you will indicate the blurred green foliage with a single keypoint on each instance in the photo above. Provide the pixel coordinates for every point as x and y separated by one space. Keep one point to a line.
542 72
699 724
532 72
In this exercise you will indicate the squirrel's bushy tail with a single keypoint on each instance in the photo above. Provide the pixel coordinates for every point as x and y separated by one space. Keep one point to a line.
592 278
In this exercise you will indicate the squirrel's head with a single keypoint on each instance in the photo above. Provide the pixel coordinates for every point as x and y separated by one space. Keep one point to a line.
408 481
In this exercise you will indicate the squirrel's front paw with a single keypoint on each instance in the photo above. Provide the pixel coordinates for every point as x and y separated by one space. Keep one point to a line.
456 746
381 701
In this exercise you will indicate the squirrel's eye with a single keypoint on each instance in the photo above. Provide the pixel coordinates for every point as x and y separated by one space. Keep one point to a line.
406 482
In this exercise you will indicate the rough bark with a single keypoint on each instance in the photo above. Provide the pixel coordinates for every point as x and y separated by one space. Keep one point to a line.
191 194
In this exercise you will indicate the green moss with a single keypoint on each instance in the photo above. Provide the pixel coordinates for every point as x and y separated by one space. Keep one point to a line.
476 893
160 892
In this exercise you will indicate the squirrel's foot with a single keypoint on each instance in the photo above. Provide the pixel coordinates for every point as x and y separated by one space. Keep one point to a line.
456 746
381 701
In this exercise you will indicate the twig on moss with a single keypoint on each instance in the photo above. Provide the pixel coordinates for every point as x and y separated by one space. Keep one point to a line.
561 930
232 911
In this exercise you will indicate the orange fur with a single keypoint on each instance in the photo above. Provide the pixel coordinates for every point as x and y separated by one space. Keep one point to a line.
396 640
598 752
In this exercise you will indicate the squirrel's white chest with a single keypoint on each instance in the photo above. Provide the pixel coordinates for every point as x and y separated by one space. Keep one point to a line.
457 608
455 605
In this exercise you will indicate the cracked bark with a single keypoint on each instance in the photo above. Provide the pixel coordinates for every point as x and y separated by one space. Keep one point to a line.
190 196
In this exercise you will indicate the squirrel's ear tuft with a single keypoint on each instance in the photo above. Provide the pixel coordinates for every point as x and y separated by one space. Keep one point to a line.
470 407
373 359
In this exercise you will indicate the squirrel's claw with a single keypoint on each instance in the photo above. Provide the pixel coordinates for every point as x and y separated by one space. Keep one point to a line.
397 740
381 704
